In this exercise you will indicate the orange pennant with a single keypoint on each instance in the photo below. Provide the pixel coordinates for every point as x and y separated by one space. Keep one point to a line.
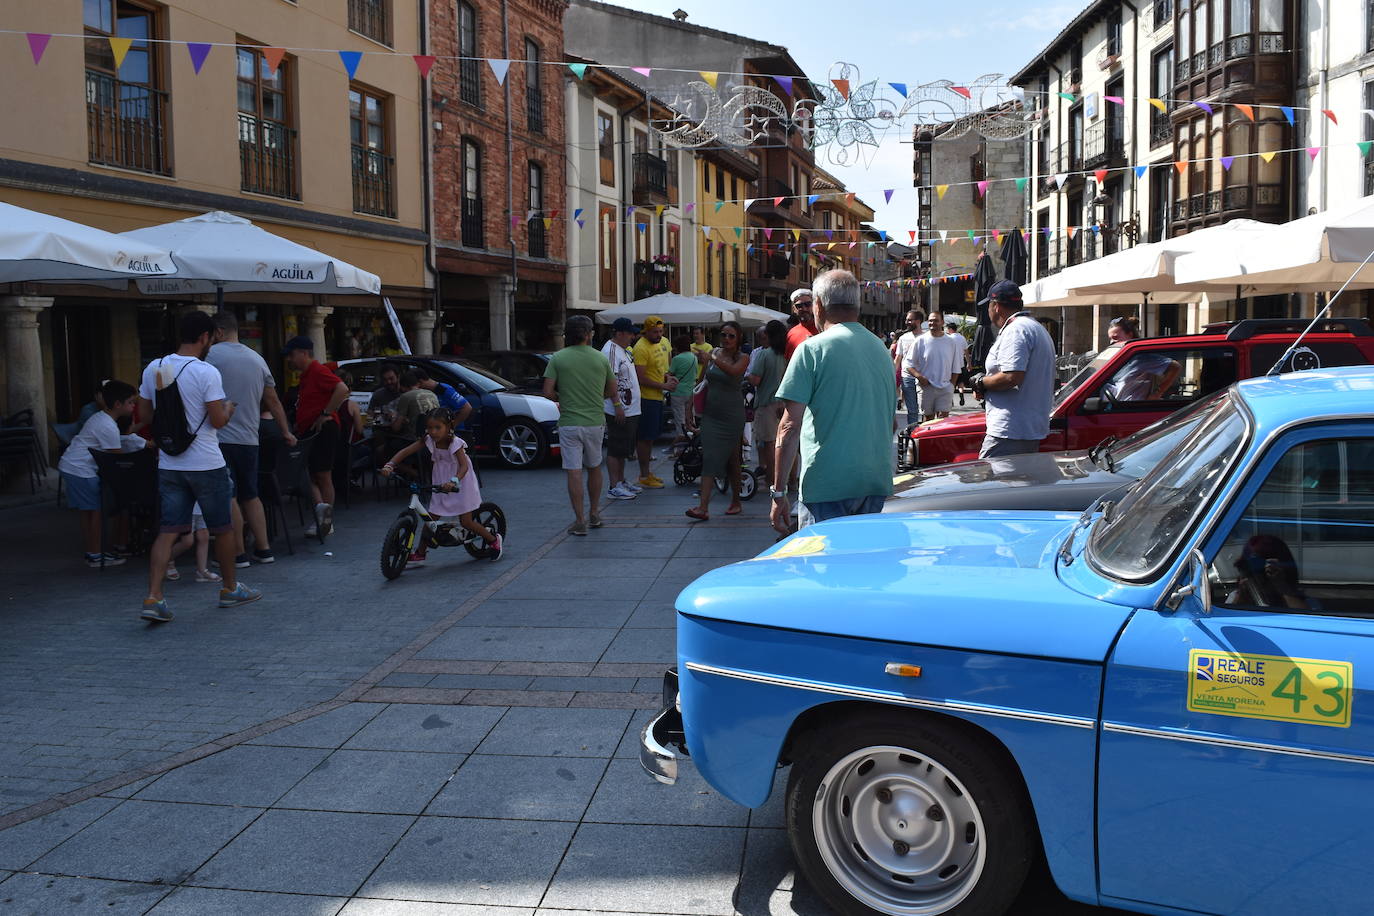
850 197
1181 165
843 86
273 57
1073 230
1330 114
1247 110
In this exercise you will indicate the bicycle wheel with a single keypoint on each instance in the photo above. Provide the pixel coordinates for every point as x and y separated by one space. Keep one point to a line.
396 546
490 517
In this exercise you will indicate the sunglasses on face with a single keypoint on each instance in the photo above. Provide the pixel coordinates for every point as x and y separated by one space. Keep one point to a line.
729 336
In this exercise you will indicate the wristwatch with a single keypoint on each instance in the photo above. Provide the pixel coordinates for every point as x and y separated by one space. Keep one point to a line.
776 494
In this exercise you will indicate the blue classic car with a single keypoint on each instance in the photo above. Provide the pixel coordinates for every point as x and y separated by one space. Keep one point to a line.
1158 697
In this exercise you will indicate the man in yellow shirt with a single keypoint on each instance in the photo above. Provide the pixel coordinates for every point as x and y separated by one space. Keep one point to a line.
652 355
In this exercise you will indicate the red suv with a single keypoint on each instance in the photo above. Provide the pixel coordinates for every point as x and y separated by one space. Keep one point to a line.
1128 386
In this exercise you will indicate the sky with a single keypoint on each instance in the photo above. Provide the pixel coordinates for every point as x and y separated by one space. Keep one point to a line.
915 42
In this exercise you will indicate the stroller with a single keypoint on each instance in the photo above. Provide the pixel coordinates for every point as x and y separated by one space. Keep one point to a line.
687 468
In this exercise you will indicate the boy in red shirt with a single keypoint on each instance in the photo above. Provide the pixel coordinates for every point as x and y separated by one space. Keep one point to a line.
321 394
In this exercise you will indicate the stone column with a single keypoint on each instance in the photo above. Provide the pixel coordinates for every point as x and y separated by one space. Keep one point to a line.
501 307
314 329
26 382
420 327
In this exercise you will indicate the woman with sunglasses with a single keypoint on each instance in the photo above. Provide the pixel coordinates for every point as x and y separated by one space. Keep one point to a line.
721 425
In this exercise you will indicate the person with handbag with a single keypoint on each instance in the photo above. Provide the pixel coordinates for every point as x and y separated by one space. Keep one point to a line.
722 421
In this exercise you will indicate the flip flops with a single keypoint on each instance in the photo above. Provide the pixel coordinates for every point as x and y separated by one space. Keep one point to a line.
696 514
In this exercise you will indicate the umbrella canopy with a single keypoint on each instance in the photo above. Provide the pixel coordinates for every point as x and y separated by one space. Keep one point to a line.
35 246
1015 259
1313 253
1056 290
221 251
1150 268
672 308
984 275
753 316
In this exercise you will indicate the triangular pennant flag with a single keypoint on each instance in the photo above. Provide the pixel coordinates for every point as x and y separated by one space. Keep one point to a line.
887 194
1068 96
1114 99
1313 152
843 87
1330 114
629 211
198 50
997 235
548 222
1048 230
1204 106
577 213
581 223
749 202
961 90
767 232
1021 185
120 47
1226 162
1073 230
1060 179
971 236
499 67
1100 175
911 235
899 88
1097 230
940 190
425 62
38 43
777 201
830 233
785 82
1287 113
1268 157
851 196
1364 146
689 208
739 231
1140 170
273 57
1247 110
748 249
706 231
643 227
982 188
812 199
514 221
796 234
530 214
1025 236
554 214
658 211
643 71
944 235
1159 103
882 234
1181 165
719 204
351 59
710 76
579 70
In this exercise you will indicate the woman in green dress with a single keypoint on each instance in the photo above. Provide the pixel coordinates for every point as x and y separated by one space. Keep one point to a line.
721 425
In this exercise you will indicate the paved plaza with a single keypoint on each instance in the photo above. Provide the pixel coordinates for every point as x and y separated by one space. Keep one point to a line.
460 741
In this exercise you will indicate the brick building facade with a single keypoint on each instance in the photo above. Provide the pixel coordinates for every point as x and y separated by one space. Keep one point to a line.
498 185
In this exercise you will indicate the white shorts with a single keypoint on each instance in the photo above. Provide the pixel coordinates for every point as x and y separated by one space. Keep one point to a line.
936 400
680 413
581 446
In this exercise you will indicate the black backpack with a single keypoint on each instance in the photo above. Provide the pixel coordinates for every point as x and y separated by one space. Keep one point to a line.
171 432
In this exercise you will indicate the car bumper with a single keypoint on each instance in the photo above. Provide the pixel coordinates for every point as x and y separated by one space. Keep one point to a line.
663 733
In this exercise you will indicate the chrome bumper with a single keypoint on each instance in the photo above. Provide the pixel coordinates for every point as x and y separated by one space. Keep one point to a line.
663 730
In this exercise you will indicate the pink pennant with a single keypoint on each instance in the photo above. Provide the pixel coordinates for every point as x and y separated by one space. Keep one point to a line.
962 90
1115 99
767 233
643 71
690 207
425 62
777 201
982 188
1313 152
38 43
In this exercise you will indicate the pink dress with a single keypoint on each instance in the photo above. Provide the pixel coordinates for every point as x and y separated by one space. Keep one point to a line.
468 497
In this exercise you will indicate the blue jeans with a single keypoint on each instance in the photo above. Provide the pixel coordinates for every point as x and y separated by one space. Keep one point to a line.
810 513
181 490
911 397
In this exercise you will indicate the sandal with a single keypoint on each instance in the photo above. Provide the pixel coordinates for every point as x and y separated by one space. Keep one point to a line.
696 513
172 574
734 510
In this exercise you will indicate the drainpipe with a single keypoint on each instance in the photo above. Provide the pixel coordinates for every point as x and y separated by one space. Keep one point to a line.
427 171
1323 89
510 176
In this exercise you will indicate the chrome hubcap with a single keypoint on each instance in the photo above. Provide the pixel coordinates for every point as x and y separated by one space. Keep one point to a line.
898 832
519 444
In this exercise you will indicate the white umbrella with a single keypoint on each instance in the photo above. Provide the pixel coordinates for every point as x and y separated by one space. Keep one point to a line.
1054 290
35 247
1309 254
671 307
756 315
220 252
1150 268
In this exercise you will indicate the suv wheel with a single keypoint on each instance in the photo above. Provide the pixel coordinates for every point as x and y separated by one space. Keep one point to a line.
521 444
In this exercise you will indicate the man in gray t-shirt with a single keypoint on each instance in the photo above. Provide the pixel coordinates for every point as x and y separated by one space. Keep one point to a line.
247 383
1018 386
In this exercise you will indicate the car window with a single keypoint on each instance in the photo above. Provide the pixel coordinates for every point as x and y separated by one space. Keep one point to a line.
1169 376
1306 540
1136 454
365 375
1311 355
476 377
1144 530
1068 388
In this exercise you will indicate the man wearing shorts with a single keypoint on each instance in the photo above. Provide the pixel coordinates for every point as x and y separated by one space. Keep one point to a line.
934 362
247 383
580 380
621 428
321 394
652 356
198 474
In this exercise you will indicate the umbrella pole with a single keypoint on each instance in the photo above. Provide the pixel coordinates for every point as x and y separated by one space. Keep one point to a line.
1293 347
219 297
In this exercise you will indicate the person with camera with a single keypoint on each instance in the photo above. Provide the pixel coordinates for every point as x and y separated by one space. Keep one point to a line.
1018 385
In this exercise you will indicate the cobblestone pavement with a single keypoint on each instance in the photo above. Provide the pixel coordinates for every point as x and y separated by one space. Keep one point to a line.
461 741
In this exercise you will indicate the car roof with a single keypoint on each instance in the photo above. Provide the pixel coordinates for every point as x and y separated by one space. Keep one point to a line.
1278 400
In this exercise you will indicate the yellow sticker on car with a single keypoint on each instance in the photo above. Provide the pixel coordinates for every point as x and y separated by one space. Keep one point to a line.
801 546
1309 691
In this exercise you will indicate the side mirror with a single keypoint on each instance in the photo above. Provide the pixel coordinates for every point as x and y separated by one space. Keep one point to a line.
1192 583
1092 405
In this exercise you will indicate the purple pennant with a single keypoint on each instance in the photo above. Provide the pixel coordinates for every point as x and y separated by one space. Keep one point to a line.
888 194
1204 106
198 50
38 43
785 82
1226 162
581 223
351 59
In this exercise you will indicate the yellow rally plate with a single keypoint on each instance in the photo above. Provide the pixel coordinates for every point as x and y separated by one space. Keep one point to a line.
803 546
1306 690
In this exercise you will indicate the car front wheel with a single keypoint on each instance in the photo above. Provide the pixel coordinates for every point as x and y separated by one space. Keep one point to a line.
906 816
521 444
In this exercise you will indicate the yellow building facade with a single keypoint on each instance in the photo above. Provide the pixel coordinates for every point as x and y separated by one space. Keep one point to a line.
724 181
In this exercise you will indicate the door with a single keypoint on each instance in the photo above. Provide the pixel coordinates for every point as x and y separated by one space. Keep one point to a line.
475 430
1238 745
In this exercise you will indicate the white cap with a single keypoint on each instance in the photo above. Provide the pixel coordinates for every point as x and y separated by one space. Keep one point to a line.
799 293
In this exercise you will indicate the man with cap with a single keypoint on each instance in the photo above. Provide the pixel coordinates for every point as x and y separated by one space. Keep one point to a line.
1018 385
320 394
652 354
622 425
806 323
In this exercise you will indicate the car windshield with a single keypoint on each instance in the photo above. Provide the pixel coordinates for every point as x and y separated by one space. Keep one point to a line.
1135 455
1082 375
484 380
1139 534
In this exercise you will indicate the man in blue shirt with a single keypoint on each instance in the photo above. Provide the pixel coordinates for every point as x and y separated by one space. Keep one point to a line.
446 395
1019 383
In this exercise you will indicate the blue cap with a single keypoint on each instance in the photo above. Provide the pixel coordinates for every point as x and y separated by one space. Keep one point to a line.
298 343
1005 292
624 324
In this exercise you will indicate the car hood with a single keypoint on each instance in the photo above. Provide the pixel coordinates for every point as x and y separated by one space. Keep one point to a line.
535 406
953 425
1043 480
982 581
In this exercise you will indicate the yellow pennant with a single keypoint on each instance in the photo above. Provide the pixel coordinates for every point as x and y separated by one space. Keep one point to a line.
120 47
1159 103
548 222
1268 157
796 234
710 76
658 211
940 190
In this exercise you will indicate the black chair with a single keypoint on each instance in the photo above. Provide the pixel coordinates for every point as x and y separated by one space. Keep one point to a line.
128 483
288 479
19 446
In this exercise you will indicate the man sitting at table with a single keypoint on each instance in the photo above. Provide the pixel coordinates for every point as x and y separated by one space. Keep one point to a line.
447 395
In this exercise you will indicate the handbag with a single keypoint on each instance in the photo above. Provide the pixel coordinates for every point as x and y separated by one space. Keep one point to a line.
699 397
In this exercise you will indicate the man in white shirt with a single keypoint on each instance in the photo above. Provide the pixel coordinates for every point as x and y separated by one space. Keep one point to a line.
952 329
198 473
934 364
622 415
901 354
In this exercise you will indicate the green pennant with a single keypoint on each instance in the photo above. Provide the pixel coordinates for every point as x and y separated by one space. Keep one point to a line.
579 69
1364 146
1021 185
1068 96
970 235
719 204
738 231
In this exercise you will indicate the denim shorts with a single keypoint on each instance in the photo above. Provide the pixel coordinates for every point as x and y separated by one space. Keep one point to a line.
810 513
650 420
242 461
82 492
180 490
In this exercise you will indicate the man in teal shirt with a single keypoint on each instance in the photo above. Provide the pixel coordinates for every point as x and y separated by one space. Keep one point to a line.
579 379
837 397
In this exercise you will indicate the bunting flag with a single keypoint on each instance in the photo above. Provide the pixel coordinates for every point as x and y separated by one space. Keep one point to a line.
642 227
1226 162
579 70
812 199
706 232
198 51
273 57
1114 99
719 204
971 236
629 211
796 234
777 201
1097 230
944 235
38 43
1287 113
351 59
1181 165
1330 114
577 213
1268 157
499 68
887 194
843 87
643 71
982 188
1159 103
1313 152
785 82
689 208
911 234
1021 185
581 223
1247 110
899 88
739 231
940 190
425 62
1048 230
830 233
1060 179
750 202
748 249
1205 107
962 90
1140 171
514 221
997 235
120 47
1364 146
1100 175
767 232
658 211
710 76
548 222
1068 96
850 197
1025 236
1072 230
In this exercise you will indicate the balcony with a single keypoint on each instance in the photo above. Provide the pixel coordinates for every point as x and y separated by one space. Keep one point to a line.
470 82
650 179
472 224
539 238
1103 144
534 111
369 17
374 183
125 124
789 209
1164 13
267 157
1161 128
740 287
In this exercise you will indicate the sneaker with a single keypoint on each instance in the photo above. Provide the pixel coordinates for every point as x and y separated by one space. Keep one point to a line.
311 531
155 611
240 562
634 488
324 519
594 521
241 595
494 549
621 491
96 560
650 483
264 556
207 575
578 528
416 559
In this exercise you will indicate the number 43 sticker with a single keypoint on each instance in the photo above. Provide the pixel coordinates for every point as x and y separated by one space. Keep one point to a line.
1306 690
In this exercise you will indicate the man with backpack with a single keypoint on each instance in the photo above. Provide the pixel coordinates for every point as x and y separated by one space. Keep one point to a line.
185 397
